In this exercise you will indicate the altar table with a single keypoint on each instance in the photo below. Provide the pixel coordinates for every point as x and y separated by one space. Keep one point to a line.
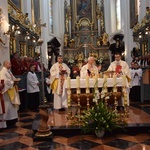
109 82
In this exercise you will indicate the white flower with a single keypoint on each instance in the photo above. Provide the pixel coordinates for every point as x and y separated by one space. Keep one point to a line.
71 61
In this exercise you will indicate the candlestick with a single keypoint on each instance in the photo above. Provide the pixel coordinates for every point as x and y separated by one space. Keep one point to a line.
87 90
114 83
78 91
78 82
87 81
68 82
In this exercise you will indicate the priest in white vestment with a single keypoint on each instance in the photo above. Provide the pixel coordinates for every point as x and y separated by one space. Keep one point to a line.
120 67
10 94
58 73
90 69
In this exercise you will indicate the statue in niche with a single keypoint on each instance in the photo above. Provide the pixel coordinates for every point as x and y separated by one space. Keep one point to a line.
99 42
66 38
80 57
105 39
72 43
147 13
26 20
67 23
78 39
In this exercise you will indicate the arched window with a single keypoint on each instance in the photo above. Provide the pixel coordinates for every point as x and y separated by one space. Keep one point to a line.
51 16
118 15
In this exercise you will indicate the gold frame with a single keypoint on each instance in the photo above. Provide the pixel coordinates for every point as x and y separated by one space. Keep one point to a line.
74 12
31 51
12 45
23 49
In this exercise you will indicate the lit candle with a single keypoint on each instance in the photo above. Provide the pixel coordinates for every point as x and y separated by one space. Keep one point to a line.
87 81
114 80
68 82
78 82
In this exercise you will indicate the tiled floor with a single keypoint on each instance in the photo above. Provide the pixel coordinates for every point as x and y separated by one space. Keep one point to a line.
20 136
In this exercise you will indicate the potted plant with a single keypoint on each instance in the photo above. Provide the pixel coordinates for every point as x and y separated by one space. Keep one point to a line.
100 117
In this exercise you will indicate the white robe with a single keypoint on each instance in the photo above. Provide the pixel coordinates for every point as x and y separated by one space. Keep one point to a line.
84 73
126 71
10 108
135 80
60 101
32 83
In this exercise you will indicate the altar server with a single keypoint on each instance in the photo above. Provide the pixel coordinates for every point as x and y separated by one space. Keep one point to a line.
136 75
59 71
90 69
33 88
10 94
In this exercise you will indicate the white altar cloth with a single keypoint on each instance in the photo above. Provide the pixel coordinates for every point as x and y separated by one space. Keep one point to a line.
110 83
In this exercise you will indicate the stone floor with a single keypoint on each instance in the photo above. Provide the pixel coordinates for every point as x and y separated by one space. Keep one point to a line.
136 136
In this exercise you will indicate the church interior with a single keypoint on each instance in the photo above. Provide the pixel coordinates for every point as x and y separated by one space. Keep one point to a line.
52 100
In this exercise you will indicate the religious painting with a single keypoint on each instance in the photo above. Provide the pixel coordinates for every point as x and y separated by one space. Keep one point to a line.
17 3
133 13
84 9
35 4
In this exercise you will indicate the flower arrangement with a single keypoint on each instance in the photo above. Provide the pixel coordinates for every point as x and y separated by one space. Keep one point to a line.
99 61
100 117
71 62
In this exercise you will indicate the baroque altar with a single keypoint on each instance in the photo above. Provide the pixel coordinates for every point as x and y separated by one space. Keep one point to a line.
85 34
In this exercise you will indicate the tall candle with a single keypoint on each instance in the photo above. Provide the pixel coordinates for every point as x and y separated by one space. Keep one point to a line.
68 82
114 80
78 82
114 83
87 81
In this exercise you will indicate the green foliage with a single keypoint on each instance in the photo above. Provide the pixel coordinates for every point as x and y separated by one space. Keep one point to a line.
99 117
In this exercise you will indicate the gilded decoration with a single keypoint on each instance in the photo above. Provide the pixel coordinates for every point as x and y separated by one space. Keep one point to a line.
84 33
141 33
21 30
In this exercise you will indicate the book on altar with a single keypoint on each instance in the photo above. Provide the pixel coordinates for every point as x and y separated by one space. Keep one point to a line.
118 68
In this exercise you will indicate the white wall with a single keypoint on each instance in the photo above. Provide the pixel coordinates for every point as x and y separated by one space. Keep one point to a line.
4 50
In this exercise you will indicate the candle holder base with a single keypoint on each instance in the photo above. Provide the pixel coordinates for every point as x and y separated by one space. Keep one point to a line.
49 137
